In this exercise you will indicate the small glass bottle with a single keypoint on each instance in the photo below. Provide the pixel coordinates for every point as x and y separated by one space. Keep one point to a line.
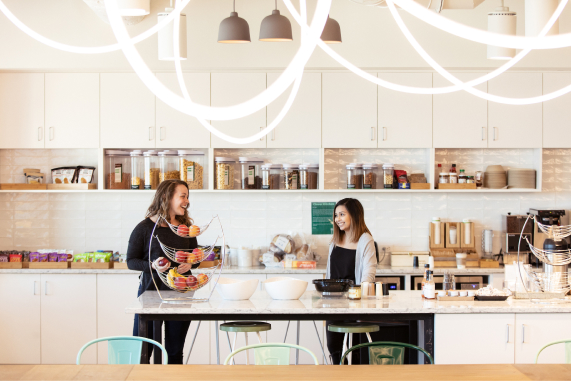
479 179
425 276
429 290
462 178
453 169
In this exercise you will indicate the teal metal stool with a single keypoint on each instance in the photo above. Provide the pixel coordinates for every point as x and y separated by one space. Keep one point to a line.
123 350
567 350
271 353
348 328
245 327
386 352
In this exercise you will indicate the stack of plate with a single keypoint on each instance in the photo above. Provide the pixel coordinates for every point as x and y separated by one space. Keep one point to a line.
495 177
521 178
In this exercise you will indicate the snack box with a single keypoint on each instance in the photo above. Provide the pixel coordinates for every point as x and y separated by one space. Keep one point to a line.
304 264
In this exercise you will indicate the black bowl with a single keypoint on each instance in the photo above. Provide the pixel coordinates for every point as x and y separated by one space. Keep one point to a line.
332 285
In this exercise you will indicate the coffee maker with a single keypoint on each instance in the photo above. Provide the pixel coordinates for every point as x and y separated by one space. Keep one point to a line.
513 225
551 217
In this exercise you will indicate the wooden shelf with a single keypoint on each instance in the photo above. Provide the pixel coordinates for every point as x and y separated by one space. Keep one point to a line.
72 187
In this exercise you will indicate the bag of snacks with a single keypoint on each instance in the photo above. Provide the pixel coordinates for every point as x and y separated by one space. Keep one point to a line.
80 257
53 257
34 257
62 256
282 244
43 257
84 175
4 257
102 257
15 257
63 175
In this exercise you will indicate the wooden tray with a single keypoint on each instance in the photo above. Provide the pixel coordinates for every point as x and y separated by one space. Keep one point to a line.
455 298
419 186
10 265
71 186
457 186
490 264
120 265
14 186
439 264
91 265
49 265
209 264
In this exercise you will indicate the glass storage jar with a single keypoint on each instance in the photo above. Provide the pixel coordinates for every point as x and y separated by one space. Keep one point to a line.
224 173
309 176
271 174
137 170
151 161
191 166
290 176
168 165
388 175
354 176
443 178
118 173
370 172
453 178
250 170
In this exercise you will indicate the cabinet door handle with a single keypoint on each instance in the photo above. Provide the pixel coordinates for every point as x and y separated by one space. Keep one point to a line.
35 282
483 133
273 134
523 333
262 138
51 133
385 133
46 287
507 333
161 133
372 133
150 133
495 133
40 134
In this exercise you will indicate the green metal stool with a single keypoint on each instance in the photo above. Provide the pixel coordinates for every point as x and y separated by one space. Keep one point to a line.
386 352
348 328
244 327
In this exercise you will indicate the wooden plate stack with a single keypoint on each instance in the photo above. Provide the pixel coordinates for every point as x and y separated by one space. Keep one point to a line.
521 178
495 177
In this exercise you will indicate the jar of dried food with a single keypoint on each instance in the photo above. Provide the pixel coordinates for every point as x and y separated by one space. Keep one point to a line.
443 178
479 178
388 175
224 173
462 178
309 176
250 170
271 174
453 178
191 166
168 164
151 161
291 176
137 170
354 176
470 180
370 172
118 169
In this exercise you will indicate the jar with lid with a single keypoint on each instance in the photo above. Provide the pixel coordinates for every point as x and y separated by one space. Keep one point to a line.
444 178
137 170
388 175
462 178
354 176
354 292
370 176
309 176
191 166
151 163
250 169
479 178
470 180
118 172
271 174
168 166
291 176
453 178
224 173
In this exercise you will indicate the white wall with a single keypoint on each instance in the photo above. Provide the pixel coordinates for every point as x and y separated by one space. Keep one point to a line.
371 38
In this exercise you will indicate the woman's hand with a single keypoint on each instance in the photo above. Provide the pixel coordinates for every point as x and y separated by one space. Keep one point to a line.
184 268
161 264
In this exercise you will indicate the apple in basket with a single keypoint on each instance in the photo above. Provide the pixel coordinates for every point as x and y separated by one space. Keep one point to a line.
194 231
191 281
180 256
182 230
180 283
198 254
202 278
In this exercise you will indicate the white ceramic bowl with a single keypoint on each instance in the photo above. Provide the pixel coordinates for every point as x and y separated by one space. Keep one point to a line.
285 288
233 289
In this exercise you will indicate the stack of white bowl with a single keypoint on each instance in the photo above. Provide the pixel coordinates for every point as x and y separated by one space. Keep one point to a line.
521 178
495 177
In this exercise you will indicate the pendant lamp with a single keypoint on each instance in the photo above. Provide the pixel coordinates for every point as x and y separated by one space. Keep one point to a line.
166 41
234 29
501 21
331 32
275 27
537 13
134 7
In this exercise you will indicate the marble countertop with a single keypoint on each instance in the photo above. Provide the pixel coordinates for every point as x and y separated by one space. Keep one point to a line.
311 302
381 270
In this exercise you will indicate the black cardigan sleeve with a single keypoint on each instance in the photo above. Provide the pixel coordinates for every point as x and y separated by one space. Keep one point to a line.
136 250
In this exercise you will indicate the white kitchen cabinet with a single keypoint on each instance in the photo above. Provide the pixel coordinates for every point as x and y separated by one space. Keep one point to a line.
515 126
127 112
114 293
72 110
474 338
68 317
232 89
176 129
460 119
301 127
349 111
405 120
20 319
534 331
22 110
556 112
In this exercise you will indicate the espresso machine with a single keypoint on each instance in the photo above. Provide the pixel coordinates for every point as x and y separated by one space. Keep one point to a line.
516 228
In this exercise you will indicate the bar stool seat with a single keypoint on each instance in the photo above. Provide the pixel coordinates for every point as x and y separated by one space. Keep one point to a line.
349 328
245 327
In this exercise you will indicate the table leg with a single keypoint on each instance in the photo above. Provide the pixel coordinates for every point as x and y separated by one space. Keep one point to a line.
350 346
287 329
297 343
429 336
247 351
158 337
143 333
234 347
192 344
217 343
413 339
320 344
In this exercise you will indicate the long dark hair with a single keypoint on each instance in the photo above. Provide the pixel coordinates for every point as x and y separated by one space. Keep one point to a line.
162 202
358 226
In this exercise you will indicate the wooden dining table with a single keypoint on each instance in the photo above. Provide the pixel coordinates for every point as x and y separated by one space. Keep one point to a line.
553 372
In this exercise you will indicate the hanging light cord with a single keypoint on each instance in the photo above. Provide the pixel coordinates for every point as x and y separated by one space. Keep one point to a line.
233 7
276 5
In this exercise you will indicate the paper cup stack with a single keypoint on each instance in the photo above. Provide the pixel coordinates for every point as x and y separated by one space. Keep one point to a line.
495 177
521 178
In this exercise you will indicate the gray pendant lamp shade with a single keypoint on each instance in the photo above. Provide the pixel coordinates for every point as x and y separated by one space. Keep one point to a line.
275 27
234 30
331 32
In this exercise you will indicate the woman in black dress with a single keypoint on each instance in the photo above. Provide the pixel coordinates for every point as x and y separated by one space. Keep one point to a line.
171 201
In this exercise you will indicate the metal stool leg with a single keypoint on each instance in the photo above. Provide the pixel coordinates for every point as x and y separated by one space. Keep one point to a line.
259 337
193 340
287 329
297 342
344 345
350 345
321 345
217 344
369 337
247 352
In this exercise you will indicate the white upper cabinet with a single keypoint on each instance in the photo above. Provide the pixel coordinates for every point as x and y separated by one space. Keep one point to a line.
22 110
349 111
556 112
460 118
405 120
301 127
127 112
178 130
515 126
72 110
231 89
